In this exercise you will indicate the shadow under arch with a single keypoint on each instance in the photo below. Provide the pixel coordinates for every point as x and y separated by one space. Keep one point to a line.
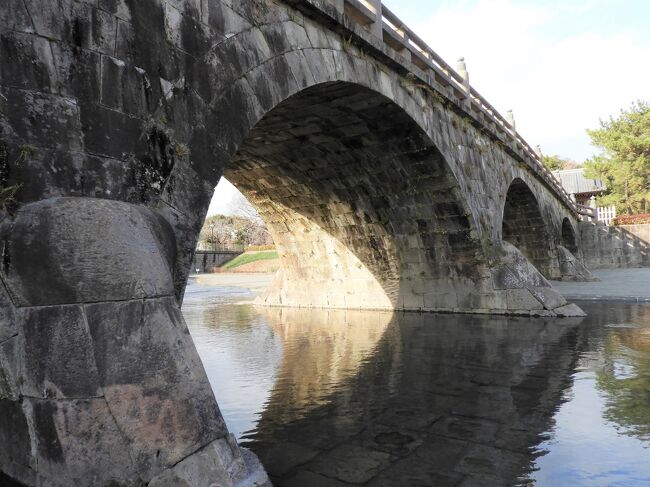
569 236
363 207
524 227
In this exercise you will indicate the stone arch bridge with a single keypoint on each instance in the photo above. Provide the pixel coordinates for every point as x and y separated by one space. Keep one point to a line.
387 181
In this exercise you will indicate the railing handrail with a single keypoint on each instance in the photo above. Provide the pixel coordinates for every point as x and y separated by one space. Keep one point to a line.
410 41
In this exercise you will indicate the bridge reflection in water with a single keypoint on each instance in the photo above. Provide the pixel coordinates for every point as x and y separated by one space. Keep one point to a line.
386 399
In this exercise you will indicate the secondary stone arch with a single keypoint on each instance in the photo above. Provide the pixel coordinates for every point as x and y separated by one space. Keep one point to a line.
363 207
524 227
569 240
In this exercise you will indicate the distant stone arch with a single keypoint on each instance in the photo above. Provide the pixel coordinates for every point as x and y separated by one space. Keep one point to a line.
569 240
523 226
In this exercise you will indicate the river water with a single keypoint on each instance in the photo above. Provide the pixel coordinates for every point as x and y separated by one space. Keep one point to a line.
333 398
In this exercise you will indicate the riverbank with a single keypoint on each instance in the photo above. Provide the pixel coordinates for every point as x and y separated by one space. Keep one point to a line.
629 285
256 282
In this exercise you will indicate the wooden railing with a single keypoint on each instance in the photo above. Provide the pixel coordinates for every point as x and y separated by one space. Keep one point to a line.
383 23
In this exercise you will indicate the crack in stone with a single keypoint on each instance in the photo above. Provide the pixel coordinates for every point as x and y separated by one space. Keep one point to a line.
10 338
83 303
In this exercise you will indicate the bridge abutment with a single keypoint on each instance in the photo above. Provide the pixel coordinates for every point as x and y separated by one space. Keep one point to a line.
101 380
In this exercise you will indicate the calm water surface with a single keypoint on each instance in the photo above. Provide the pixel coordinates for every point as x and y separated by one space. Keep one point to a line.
333 398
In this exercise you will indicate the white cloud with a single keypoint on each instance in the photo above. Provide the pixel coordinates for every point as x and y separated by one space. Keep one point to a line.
558 85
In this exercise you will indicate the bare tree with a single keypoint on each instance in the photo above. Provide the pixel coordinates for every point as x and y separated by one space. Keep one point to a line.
257 233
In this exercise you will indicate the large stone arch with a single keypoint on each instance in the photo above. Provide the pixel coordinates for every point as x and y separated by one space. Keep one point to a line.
524 227
117 120
363 207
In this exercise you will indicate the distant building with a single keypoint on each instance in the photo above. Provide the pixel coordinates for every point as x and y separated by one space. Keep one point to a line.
584 191
580 188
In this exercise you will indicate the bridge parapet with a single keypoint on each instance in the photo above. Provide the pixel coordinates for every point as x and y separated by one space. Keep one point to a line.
422 61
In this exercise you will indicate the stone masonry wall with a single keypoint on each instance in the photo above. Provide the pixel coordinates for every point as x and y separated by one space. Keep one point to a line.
615 247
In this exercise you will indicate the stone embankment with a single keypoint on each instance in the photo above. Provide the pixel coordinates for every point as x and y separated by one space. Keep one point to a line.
615 247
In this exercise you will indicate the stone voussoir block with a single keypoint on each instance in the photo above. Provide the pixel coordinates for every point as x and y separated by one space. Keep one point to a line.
522 299
55 353
93 250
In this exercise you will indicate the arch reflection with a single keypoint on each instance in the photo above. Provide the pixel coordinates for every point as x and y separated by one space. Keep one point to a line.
434 400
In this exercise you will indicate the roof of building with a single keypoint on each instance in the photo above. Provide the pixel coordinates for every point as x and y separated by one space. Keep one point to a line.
575 182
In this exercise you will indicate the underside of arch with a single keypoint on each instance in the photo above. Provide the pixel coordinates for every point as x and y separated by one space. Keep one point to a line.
571 267
524 227
569 236
362 206
366 212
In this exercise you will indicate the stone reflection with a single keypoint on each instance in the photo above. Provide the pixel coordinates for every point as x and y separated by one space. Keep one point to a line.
411 399
323 349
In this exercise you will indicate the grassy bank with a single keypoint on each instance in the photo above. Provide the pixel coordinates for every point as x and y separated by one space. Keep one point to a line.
250 257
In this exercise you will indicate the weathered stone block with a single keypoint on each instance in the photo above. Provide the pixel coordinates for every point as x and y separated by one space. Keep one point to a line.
505 278
7 319
548 296
223 19
188 190
119 8
413 301
79 439
522 299
124 87
153 379
51 119
92 250
113 134
10 369
16 457
14 17
56 354
440 300
28 62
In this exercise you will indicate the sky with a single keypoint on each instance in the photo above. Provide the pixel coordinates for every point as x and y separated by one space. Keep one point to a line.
559 65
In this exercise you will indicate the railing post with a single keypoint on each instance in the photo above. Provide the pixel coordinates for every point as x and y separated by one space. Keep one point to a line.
538 152
510 118
377 27
461 67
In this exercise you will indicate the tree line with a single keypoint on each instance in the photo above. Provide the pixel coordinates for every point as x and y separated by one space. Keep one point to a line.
221 231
